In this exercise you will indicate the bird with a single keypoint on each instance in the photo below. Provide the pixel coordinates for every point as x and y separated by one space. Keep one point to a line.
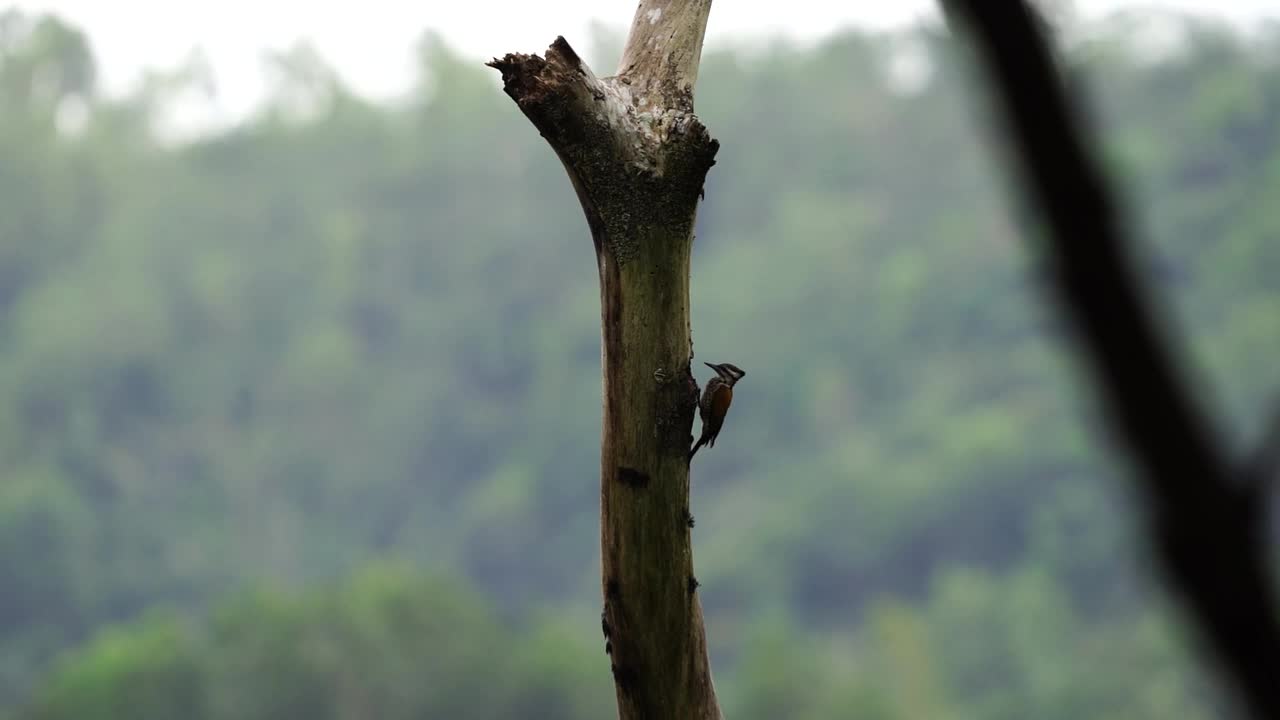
715 401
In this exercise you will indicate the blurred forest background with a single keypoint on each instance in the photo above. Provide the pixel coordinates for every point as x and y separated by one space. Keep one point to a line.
301 419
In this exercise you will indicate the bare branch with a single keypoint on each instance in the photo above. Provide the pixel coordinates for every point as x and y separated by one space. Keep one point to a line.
660 60
1208 527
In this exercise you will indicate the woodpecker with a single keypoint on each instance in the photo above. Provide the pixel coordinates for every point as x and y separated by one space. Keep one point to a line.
715 401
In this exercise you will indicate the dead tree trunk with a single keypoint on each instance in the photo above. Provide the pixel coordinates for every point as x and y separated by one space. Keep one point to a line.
637 157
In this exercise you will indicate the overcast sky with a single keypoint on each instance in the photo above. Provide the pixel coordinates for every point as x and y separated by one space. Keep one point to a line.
370 42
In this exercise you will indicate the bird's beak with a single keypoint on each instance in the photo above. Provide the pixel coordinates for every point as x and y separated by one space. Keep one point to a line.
713 367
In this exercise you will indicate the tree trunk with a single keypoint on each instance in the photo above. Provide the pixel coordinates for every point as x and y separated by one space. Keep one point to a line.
637 157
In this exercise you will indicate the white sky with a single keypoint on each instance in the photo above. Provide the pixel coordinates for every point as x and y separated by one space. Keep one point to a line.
371 42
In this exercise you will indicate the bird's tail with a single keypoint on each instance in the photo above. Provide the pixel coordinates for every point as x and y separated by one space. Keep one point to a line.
701 441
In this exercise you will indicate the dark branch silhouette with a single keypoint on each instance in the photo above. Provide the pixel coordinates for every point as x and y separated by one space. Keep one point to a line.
1207 513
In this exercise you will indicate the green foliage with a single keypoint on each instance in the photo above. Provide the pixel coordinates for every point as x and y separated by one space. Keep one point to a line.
149 671
235 370
385 644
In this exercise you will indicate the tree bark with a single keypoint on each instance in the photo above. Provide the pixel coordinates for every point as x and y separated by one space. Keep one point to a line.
1208 513
637 157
